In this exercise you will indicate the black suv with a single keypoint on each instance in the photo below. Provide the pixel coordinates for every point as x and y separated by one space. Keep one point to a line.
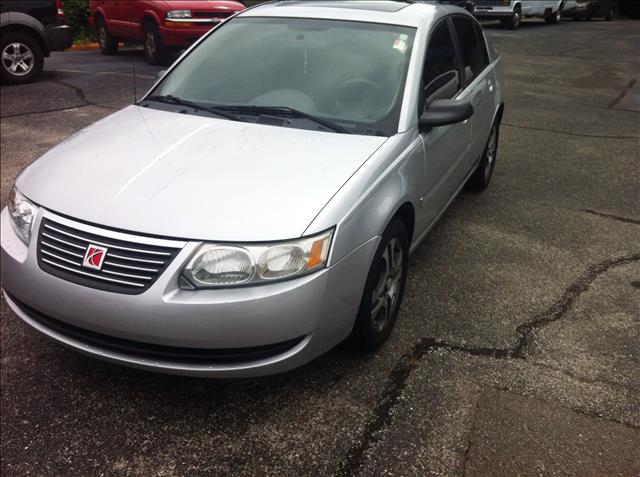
29 31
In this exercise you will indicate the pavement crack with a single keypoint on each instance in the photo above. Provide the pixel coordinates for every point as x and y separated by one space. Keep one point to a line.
567 133
472 430
565 302
383 410
595 415
618 98
582 412
79 91
582 379
619 218
56 110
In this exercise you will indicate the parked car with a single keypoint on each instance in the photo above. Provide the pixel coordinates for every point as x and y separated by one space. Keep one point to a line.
30 31
161 26
511 12
588 9
259 204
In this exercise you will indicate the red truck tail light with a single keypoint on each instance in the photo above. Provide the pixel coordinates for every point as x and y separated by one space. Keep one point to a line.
59 9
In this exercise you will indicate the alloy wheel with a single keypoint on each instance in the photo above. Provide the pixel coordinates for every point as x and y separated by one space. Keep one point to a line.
18 59
387 290
516 18
102 37
150 44
490 154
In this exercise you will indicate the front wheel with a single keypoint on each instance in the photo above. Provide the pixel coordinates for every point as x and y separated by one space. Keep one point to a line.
108 43
554 19
383 290
22 58
610 14
480 179
513 22
154 50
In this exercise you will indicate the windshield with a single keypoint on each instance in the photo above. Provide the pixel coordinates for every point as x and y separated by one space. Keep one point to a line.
349 74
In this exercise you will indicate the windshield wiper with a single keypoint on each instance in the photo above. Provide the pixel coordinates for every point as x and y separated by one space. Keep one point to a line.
169 99
287 112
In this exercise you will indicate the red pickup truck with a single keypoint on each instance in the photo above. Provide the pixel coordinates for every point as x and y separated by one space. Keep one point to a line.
161 25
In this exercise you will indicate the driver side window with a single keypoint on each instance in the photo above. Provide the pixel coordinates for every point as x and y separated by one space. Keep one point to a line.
440 78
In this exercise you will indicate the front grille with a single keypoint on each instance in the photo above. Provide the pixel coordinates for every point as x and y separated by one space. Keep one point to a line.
128 267
154 352
212 14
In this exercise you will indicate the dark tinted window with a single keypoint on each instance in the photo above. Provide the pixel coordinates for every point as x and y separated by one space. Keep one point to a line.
440 76
483 45
474 51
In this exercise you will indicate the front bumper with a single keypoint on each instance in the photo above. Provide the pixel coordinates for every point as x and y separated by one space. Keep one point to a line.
59 37
579 10
488 13
311 313
181 37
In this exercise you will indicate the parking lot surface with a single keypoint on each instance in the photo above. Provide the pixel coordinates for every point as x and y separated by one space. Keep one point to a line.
517 348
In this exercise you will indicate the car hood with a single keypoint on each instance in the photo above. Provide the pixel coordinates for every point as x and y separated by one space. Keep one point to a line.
195 177
205 5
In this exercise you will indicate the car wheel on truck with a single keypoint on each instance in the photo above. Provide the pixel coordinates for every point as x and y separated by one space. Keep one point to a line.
554 18
22 58
513 22
610 14
154 50
108 43
383 289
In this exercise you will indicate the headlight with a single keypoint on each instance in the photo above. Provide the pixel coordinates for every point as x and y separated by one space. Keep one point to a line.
22 211
178 14
223 265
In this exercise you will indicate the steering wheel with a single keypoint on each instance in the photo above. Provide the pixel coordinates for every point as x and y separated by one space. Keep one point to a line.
360 97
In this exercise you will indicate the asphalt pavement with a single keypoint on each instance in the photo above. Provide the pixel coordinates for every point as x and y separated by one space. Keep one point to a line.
517 349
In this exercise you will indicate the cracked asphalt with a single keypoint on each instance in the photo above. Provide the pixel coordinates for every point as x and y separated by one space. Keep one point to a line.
517 349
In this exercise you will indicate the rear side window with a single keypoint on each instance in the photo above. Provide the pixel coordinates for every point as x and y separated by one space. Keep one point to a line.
483 45
474 51
440 76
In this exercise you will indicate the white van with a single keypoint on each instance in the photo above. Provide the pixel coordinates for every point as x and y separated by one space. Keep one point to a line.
511 12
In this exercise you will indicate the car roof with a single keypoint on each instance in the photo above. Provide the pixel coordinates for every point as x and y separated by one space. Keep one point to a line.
405 13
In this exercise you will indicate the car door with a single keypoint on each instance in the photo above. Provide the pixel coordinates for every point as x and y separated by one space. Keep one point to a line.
478 82
114 10
445 147
129 27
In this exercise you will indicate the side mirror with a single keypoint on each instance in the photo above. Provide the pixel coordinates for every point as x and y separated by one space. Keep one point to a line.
160 74
445 111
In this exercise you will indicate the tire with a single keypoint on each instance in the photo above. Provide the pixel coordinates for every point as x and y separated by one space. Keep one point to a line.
154 50
611 14
108 43
371 330
21 56
555 18
514 21
480 179
590 15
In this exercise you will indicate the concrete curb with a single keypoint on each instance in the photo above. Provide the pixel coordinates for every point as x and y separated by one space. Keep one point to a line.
84 46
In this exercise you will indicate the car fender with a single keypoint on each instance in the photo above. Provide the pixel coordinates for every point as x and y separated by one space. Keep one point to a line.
149 14
25 22
362 208
100 11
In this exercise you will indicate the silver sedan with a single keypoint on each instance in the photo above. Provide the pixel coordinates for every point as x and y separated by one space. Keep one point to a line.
258 206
